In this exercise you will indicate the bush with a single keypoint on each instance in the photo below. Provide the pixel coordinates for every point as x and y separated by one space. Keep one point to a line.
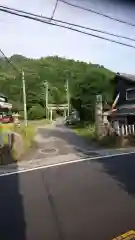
23 140
16 106
36 112
117 141
21 113
87 131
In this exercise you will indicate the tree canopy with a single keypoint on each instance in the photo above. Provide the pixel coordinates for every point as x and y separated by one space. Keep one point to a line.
85 81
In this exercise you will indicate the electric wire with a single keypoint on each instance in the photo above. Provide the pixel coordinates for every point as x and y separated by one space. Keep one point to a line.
98 13
40 19
69 23
54 10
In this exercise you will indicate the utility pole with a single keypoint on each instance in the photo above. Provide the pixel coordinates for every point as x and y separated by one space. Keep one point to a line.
46 97
24 100
68 96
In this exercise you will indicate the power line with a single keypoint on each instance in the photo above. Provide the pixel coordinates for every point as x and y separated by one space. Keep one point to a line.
71 24
98 13
63 26
23 83
54 10
14 67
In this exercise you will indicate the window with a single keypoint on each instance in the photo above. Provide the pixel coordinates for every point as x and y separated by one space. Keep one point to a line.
130 94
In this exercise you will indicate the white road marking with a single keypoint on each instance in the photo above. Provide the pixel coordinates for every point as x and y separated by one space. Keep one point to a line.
64 163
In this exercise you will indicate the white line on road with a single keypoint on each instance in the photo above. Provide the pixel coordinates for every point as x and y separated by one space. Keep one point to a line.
63 163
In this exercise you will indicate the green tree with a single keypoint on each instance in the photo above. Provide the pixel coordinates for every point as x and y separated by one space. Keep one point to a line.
36 112
85 81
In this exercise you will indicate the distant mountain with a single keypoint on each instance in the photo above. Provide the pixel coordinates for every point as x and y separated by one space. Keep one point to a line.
18 58
85 81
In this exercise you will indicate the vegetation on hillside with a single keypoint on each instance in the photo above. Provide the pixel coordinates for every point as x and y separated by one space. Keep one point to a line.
85 81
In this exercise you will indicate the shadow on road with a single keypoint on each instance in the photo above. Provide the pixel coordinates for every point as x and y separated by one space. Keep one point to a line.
12 222
122 169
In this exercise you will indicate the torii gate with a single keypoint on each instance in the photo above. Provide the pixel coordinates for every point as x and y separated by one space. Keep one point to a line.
52 107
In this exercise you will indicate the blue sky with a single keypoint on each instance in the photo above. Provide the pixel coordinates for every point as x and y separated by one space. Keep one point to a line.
32 39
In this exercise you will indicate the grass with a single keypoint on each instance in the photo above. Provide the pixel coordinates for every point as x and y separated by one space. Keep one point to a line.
110 142
27 134
87 131
4 128
39 122
7 127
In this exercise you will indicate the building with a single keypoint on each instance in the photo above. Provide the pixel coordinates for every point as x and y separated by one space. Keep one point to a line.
123 107
122 114
5 106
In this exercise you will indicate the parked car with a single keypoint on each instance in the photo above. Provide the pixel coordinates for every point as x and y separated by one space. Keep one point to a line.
68 120
71 120
6 118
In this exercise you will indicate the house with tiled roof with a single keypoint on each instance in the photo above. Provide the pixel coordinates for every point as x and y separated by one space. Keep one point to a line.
123 106
4 104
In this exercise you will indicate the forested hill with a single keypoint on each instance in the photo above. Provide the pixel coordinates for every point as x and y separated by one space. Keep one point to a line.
85 80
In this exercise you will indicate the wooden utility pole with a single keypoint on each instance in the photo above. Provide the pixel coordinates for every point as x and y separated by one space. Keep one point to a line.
24 100
51 116
68 96
46 97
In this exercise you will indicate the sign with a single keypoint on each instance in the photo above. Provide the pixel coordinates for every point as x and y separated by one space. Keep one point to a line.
126 236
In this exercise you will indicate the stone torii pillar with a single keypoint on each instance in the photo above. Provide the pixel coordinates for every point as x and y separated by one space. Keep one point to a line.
1 136
51 111
65 113
99 117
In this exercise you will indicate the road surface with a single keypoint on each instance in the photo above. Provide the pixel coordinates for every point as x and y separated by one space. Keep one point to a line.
58 140
91 200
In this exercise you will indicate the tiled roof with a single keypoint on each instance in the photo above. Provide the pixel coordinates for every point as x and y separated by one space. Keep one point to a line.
125 111
2 95
129 77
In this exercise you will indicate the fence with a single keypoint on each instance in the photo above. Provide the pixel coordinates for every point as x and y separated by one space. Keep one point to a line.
124 129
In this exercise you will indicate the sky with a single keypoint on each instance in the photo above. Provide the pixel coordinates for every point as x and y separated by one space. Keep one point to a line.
35 40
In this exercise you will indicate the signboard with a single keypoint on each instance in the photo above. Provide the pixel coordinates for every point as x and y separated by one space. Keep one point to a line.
126 236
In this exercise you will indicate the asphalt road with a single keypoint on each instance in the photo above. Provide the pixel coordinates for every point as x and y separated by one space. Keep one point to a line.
62 141
86 200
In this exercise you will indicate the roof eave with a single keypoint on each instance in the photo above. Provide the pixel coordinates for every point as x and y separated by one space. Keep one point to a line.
125 77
